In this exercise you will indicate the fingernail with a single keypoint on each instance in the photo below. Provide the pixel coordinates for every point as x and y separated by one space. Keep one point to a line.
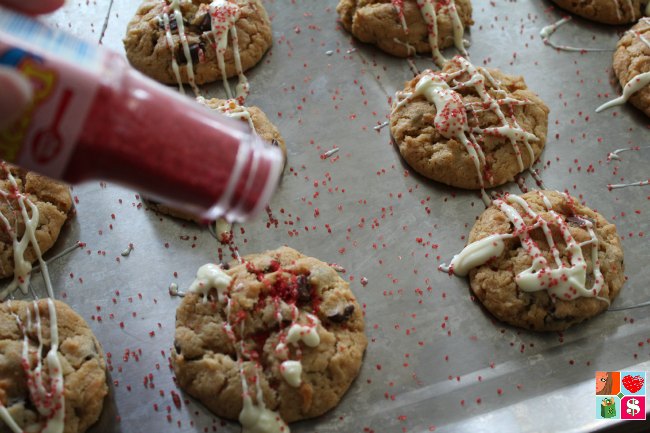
15 96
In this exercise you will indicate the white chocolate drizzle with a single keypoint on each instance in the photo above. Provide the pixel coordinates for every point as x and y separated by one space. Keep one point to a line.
224 16
428 11
451 119
5 416
254 417
291 371
638 34
630 6
636 83
611 186
178 16
170 44
47 395
308 334
429 14
562 281
257 418
476 254
222 229
614 154
208 277
548 31
22 267
231 108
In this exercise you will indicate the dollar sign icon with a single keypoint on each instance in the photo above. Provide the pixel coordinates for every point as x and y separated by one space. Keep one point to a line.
633 407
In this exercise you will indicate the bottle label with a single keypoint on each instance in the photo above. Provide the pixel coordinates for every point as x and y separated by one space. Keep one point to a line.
65 73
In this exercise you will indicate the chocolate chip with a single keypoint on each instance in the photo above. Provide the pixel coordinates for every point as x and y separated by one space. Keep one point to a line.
273 266
195 49
225 266
304 291
173 25
579 221
275 143
340 317
177 347
205 23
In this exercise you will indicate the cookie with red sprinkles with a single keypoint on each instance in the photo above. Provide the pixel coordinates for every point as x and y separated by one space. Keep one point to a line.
468 126
278 334
49 384
52 201
605 11
631 63
404 28
173 41
542 261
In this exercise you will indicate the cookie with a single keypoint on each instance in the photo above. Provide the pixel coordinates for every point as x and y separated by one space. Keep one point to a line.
52 201
254 117
513 272
604 11
279 325
406 27
631 65
467 126
79 360
211 41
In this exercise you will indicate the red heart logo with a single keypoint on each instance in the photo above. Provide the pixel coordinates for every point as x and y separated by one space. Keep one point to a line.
633 383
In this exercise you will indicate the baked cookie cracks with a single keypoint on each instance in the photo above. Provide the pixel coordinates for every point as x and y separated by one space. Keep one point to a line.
280 329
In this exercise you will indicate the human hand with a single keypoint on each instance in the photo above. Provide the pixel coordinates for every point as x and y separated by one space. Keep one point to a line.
15 90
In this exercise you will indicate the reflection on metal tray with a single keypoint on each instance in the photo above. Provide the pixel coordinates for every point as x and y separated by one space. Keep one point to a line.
436 360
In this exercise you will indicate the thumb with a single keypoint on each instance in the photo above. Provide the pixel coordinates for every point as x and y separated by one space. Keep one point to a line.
15 96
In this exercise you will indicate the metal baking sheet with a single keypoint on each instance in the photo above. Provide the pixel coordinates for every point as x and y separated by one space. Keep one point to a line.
436 360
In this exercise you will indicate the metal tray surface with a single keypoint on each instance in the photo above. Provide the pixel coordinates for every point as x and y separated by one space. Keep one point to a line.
436 360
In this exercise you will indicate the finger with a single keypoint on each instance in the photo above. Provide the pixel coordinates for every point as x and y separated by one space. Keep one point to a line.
33 7
15 96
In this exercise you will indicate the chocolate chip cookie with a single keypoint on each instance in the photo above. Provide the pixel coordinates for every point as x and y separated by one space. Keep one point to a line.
157 43
406 27
604 11
631 65
467 126
279 325
52 202
26 328
542 261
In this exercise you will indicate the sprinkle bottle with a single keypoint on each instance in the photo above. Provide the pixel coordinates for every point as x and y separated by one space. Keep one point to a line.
95 117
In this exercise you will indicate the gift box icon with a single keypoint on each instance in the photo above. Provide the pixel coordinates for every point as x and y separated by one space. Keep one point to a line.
608 408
